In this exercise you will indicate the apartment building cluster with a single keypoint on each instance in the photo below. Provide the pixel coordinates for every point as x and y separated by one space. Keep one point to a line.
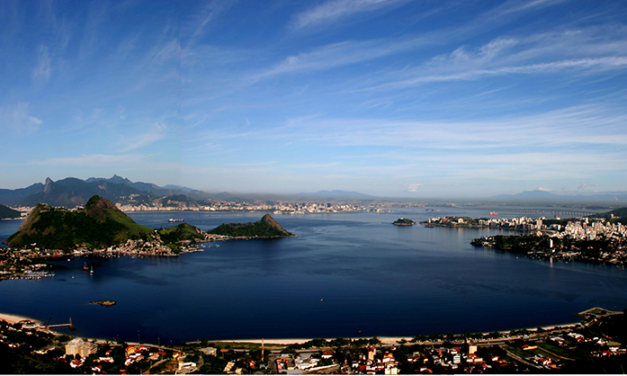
276 208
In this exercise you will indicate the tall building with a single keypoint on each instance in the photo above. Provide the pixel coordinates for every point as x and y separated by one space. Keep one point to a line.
80 347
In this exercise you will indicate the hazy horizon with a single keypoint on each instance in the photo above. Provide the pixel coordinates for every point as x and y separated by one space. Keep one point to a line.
390 98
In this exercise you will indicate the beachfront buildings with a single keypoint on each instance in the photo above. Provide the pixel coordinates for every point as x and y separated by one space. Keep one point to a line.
79 347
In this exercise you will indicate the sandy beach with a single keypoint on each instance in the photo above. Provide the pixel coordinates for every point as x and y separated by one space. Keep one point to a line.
12 319
295 341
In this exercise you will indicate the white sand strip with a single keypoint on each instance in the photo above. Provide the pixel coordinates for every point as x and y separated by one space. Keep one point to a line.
12 319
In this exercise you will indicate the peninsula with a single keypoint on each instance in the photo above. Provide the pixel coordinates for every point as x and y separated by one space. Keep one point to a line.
600 238
101 229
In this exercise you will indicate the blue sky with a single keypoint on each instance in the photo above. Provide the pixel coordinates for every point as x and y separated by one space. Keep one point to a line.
385 97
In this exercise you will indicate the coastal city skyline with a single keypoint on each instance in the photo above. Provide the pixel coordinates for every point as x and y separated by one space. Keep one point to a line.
388 98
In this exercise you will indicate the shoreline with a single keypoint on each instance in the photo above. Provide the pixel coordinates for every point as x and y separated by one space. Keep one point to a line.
384 340
12 319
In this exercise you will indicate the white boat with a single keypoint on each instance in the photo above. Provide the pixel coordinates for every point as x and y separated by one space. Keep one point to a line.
176 220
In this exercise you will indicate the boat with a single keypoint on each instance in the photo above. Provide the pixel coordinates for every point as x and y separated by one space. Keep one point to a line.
493 213
85 268
92 270
176 220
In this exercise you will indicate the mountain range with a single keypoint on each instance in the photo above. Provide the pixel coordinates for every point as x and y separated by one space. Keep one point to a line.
337 194
73 192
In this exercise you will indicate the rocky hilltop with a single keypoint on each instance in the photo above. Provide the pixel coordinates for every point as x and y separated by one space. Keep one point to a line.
100 224
267 227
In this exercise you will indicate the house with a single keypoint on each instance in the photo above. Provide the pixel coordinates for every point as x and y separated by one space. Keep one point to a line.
212 351
76 363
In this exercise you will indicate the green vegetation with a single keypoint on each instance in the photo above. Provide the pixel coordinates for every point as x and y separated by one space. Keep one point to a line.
455 222
589 249
7 212
180 233
267 227
100 224
620 216
404 222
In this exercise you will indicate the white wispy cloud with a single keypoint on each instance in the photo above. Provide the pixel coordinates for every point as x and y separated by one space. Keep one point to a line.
41 73
340 54
513 6
607 63
156 133
335 10
571 126
92 160
165 53
203 18
16 118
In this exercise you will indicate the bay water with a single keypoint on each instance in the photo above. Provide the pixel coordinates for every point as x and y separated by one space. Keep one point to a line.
345 275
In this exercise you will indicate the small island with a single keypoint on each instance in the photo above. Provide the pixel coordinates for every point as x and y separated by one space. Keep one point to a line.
266 228
404 222
105 303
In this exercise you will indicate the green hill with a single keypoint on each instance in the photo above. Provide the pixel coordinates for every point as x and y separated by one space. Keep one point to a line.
267 227
100 224
7 212
620 216
181 232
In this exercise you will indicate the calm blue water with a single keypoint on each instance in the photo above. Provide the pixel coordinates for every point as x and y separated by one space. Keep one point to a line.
344 275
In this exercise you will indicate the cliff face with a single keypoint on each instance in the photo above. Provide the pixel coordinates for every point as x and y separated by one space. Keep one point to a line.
274 224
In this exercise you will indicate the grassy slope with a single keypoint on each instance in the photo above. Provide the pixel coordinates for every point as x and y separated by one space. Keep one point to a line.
183 231
99 225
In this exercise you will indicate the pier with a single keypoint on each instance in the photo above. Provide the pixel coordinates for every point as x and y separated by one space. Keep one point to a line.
69 325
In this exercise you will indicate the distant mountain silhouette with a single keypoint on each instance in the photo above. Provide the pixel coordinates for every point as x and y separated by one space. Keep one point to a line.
536 193
336 193
73 192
